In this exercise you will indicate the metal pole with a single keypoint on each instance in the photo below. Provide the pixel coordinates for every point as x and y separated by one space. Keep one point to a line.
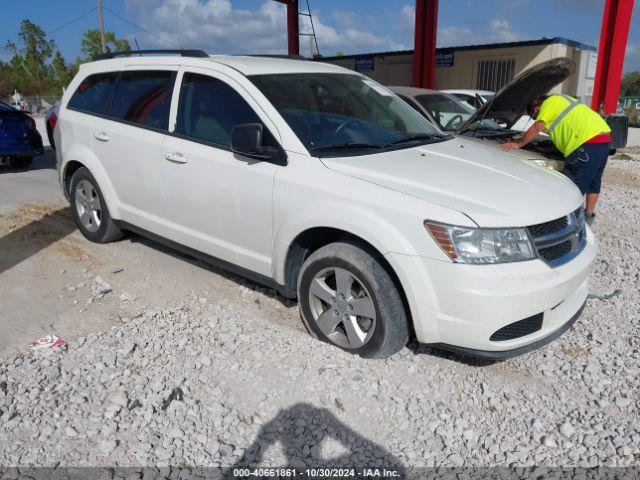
424 55
103 47
611 50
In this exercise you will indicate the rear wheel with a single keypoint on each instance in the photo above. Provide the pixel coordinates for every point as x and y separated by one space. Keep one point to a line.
347 298
20 162
90 210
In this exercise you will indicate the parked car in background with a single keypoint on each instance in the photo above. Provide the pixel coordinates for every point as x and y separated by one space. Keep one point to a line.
50 120
323 184
19 139
477 98
449 113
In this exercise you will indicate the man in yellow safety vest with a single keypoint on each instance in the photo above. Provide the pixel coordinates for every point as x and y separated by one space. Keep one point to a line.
580 134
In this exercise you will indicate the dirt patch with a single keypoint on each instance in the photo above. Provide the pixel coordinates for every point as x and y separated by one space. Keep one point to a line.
633 150
617 176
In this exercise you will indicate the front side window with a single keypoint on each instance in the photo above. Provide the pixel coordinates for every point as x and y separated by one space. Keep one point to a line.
94 94
331 113
209 109
144 97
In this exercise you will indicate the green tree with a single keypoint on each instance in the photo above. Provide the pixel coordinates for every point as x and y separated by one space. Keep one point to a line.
630 84
61 73
90 43
29 63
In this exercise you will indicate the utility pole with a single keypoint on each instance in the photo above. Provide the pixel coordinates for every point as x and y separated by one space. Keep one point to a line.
103 47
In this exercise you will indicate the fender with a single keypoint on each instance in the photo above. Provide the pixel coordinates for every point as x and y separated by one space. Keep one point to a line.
383 235
84 155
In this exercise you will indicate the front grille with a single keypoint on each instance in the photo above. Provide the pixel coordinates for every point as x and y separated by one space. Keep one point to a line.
555 252
548 227
560 240
518 329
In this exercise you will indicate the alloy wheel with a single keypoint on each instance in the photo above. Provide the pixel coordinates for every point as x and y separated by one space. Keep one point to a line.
342 307
88 205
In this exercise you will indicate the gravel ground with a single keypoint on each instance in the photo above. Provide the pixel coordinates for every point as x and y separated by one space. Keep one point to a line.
217 383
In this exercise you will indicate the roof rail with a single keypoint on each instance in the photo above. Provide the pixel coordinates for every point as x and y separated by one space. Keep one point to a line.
266 55
129 53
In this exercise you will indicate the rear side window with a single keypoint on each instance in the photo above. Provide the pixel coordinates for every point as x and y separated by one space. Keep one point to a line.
209 109
94 94
144 97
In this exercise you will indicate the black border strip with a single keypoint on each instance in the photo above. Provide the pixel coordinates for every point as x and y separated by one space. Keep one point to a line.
209 259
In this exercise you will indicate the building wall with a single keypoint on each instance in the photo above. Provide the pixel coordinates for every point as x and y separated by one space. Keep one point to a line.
396 68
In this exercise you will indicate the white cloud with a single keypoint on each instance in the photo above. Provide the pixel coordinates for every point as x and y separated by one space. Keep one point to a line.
502 31
217 27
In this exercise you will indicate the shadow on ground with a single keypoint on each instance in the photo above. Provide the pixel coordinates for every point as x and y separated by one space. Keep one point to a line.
47 161
22 243
301 431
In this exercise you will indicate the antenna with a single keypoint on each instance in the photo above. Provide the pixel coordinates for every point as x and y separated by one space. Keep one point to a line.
137 46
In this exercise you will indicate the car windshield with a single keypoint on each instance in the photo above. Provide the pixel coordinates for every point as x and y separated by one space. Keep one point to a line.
450 113
334 112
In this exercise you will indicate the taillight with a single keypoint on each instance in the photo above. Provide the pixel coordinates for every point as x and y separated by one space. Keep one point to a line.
31 123
53 119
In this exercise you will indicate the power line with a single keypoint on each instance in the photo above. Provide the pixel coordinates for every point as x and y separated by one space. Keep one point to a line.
55 30
140 28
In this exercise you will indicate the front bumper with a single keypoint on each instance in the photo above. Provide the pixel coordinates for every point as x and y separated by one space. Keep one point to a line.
458 306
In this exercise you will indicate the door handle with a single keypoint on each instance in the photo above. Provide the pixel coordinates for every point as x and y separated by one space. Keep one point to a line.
102 136
175 157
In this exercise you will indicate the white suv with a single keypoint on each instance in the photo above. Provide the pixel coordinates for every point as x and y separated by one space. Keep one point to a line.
321 183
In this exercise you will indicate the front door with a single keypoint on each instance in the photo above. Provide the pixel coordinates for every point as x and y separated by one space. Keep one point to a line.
217 201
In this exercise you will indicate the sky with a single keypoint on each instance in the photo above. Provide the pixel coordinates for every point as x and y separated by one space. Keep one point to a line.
348 26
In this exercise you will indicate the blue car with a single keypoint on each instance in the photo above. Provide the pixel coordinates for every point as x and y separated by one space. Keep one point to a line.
19 139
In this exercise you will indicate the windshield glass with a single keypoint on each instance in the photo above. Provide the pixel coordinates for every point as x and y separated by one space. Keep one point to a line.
333 112
450 113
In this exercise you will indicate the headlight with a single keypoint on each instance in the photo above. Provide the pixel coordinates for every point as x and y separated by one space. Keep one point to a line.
482 245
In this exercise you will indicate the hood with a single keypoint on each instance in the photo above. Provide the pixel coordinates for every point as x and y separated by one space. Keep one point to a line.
492 187
511 102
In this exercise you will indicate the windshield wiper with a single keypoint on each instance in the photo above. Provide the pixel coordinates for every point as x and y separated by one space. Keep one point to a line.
345 146
417 138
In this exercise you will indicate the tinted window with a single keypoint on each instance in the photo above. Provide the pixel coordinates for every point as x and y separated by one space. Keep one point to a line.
94 93
209 109
144 98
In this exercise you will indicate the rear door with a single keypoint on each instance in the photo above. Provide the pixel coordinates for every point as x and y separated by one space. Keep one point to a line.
129 142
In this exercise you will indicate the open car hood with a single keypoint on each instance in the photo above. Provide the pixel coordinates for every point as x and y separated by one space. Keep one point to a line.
511 102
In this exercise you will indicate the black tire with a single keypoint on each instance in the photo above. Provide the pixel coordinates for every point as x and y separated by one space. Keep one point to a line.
21 162
390 330
107 230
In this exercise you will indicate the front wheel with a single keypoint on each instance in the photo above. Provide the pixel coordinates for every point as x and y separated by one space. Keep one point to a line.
348 299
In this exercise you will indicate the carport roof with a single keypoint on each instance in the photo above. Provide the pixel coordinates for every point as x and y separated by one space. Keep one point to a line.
486 46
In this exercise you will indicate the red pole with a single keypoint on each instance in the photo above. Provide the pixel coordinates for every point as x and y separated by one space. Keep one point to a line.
424 54
293 27
613 43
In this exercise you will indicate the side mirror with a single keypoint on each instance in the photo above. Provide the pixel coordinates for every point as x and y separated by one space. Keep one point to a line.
246 139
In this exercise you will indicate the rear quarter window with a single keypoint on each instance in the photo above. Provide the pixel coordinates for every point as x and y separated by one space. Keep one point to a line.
144 97
93 94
